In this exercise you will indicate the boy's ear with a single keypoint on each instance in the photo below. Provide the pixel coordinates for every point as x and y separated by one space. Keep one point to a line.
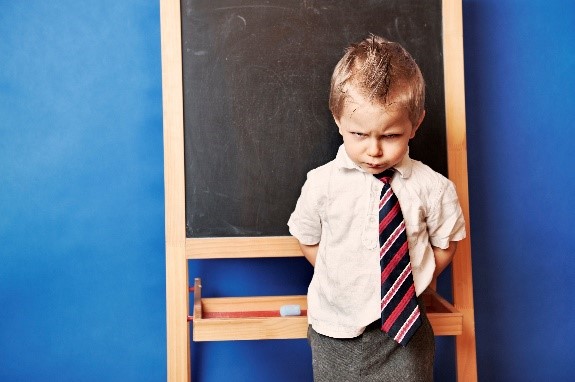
338 124
414 129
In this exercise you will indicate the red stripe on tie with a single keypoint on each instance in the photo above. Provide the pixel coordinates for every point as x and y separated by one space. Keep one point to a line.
385 198
408 324
392 238
389 217
395 287
399 308
393 262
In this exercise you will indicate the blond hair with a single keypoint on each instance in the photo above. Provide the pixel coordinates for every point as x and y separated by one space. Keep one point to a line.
381 71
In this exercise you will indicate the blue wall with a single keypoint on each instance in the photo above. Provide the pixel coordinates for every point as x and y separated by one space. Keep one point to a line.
81 200
520 92
81 193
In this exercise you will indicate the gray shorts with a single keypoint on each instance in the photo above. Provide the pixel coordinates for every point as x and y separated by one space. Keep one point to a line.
373 356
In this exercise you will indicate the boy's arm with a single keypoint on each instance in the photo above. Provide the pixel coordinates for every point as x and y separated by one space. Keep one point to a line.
442 259
310 252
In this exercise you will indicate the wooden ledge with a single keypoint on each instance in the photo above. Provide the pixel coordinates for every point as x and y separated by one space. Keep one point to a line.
257 318
445 319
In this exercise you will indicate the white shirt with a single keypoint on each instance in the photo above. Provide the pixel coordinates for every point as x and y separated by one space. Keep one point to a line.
338 208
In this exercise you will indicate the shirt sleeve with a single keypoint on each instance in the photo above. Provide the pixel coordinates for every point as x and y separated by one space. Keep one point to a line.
305 222
446 222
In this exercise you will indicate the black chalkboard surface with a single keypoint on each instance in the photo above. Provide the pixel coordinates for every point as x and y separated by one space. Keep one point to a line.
256 81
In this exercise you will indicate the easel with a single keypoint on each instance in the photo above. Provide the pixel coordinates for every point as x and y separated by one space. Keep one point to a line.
257 318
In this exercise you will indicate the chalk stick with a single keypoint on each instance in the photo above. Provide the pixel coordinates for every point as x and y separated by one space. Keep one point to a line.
290 310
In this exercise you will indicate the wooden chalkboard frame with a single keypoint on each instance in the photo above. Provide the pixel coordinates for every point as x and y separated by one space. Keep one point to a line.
180 249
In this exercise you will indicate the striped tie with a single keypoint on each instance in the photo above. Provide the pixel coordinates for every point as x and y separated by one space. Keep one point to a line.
400 315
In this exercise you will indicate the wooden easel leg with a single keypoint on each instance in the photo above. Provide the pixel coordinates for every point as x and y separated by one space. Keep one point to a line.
465 356
178 332
457 168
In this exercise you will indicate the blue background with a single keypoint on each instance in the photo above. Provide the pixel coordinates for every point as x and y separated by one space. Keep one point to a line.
82 270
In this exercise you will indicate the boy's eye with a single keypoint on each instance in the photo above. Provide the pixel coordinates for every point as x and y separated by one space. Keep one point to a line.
391 136
357 134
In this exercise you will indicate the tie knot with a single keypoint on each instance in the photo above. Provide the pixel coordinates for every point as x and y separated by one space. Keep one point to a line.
385 176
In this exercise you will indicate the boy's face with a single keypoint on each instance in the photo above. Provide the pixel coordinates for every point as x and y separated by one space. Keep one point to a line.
375 137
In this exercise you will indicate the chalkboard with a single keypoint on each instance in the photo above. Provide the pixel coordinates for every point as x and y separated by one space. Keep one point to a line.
256 81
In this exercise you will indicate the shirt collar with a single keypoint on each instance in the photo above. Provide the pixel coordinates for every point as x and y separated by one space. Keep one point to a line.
343 161
405 166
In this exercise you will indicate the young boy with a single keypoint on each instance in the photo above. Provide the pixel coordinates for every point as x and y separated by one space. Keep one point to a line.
377 100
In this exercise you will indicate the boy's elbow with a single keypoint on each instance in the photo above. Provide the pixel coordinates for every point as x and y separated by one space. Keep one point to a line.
453 247
450 251
443 256
309 252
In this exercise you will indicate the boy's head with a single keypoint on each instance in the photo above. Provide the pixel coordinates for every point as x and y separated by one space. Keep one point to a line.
382 72
377 99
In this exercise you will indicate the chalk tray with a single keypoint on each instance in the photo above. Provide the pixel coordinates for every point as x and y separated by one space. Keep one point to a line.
256 318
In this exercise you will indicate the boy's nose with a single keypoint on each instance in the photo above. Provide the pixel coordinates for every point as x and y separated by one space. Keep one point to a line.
374 148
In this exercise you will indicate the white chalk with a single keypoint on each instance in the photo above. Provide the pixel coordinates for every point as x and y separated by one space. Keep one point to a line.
290 310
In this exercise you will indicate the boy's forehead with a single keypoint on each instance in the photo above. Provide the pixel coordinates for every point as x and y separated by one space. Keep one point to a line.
353 98
355 101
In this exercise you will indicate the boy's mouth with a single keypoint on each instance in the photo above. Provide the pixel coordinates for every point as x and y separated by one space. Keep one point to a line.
374 168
